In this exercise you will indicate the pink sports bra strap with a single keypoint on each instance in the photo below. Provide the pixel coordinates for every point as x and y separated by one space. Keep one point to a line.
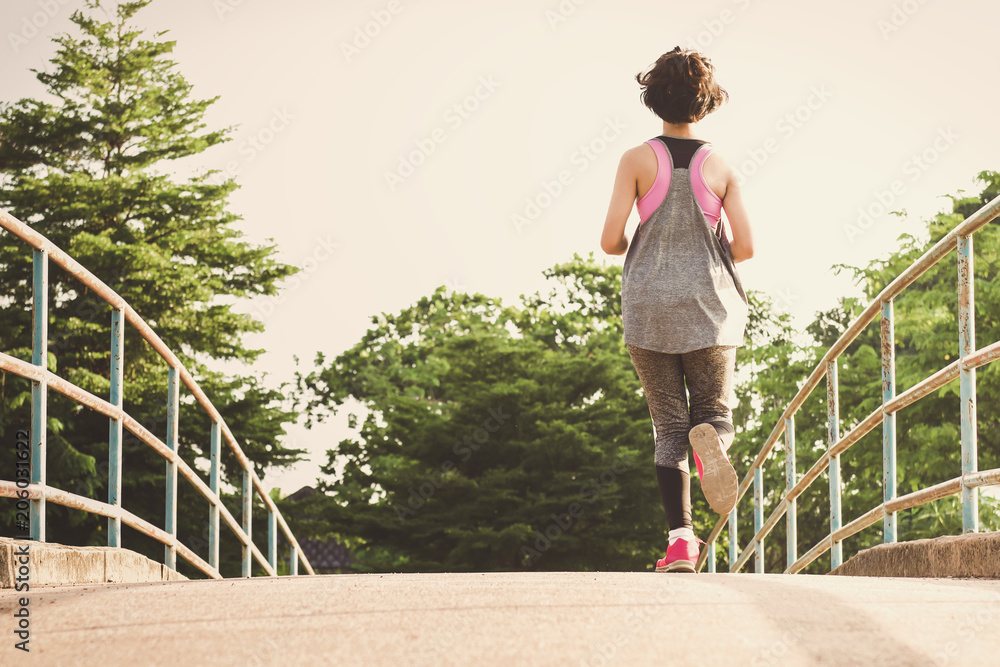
650 201
710 203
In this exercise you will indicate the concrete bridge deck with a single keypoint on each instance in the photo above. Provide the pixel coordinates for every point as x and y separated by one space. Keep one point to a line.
560 618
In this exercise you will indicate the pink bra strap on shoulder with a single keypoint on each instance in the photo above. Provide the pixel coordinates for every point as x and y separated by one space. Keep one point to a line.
698 172
661 184
709 201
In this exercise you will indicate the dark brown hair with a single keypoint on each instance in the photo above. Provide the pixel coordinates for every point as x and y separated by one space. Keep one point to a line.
680 87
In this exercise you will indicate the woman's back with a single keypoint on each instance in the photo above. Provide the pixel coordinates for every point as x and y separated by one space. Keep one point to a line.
661 155
679 290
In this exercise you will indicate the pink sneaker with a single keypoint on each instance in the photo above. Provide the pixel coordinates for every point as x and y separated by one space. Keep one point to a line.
718 478
681 556
701 470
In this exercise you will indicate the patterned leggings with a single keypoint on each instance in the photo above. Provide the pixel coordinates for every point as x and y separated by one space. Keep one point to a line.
708 376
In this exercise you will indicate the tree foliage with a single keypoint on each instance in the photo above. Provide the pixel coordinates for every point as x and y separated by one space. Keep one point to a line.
928 432
415 490
488 426
496 438
92 166
926 340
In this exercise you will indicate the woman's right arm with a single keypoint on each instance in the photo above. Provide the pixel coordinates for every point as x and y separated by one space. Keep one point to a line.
623 196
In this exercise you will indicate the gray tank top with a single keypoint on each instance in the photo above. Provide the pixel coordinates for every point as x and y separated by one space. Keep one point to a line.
680 288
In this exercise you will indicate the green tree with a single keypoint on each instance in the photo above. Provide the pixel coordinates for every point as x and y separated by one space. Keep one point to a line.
93 168
488 427
564 480
928 432
927 339
404 496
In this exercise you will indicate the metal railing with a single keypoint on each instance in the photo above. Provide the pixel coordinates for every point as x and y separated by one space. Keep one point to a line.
964 368
38 491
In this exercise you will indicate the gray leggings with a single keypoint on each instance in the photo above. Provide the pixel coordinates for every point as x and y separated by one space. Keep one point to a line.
708 375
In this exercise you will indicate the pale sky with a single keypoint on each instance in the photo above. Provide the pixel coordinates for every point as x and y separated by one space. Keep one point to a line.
837 110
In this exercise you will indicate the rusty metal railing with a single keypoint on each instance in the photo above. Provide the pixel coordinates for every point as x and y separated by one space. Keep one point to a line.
964 368
38 492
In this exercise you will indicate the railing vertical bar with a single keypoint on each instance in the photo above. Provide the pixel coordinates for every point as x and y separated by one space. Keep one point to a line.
272 539
711 557
173 416
213 511
758 518
734 551
247 525
39 390
792 539
967 381
116 398
888 342
294 561
833 434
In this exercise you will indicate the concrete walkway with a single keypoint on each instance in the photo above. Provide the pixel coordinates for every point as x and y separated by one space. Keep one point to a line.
561 618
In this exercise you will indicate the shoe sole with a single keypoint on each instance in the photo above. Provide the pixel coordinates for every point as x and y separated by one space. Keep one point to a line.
719 483
677 566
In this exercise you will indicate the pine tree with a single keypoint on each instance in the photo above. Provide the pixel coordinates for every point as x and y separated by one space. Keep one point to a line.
93 168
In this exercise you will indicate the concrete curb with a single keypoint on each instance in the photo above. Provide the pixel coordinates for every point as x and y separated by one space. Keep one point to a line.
972 555
57 564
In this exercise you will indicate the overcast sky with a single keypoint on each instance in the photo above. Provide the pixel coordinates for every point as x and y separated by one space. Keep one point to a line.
389 147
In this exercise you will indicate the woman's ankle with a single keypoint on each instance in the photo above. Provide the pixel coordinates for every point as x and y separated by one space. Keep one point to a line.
686 533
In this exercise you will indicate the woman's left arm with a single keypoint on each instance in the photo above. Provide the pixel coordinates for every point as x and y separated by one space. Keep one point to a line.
739 221
613 239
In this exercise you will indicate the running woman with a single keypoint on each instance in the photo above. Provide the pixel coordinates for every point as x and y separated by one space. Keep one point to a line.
684 310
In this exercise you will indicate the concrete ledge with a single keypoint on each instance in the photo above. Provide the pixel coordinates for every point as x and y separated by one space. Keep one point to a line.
972 555
58 564
131 567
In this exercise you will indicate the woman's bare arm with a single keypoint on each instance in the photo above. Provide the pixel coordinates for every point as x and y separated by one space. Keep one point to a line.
623 196
739 221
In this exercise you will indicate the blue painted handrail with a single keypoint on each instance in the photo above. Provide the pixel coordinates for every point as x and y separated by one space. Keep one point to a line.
964 368
38 491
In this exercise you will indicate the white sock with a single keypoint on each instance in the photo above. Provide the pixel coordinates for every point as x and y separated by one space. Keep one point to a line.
678 533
